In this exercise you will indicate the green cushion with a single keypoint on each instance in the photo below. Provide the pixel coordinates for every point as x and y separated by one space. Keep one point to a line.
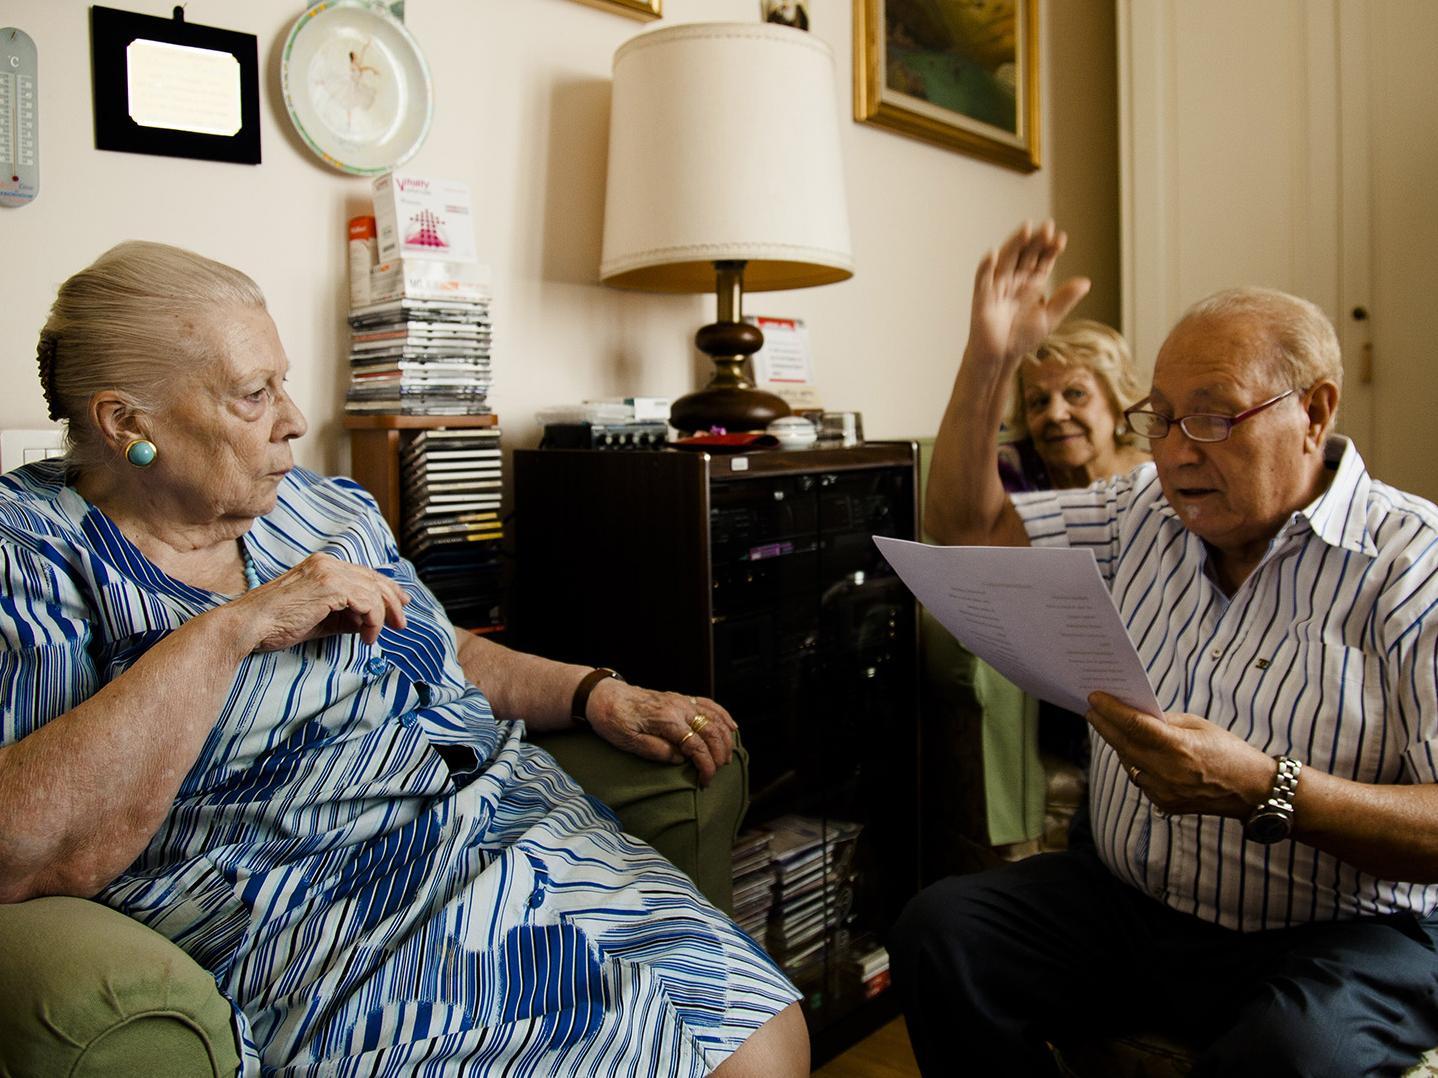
88 991
663 804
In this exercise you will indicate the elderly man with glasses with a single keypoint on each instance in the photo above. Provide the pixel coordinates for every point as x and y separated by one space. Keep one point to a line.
1262 871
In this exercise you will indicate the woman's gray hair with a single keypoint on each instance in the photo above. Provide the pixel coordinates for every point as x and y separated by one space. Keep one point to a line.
129 322
1305 343
1095 347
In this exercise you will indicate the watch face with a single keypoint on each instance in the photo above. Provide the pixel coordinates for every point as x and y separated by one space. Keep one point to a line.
1267 826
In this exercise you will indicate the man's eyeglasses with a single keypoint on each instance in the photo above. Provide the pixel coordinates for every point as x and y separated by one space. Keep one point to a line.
1200 426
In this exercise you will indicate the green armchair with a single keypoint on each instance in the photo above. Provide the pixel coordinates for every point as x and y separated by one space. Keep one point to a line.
87 991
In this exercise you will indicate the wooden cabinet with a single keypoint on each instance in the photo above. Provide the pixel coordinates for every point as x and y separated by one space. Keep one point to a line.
375 445
754 579
463 567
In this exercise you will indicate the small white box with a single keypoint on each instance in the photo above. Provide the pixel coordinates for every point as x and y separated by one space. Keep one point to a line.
428 278
417 217
647 408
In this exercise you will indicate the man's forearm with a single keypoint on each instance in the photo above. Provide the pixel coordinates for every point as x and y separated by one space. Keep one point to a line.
1388 831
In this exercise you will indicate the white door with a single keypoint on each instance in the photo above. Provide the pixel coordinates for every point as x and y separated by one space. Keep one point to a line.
1391 103
1292 143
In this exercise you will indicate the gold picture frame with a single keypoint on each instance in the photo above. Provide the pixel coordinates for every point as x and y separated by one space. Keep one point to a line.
635 9
955 73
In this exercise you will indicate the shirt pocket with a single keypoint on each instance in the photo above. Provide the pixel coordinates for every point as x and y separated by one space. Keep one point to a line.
1336 717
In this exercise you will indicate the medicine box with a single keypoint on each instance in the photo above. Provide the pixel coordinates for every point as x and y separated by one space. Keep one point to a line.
417 217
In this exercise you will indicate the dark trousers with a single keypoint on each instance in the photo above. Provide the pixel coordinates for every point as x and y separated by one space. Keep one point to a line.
990 966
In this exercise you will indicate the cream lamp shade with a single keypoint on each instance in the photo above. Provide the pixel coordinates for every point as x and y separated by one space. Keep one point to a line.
724 174
724 145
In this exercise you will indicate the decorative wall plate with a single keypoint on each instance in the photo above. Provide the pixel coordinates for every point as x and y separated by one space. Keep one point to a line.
356 86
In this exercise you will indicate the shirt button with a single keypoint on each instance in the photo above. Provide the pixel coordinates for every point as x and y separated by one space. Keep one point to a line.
536 898
408 719
1216 653
376 666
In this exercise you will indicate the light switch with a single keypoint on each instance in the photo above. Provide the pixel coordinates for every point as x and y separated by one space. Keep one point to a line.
19 447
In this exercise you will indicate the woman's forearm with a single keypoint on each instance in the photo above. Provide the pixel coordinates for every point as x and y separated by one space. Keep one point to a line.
518 685
81 796
965 503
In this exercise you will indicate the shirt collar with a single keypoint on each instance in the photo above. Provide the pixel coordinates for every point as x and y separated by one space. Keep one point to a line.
1339 516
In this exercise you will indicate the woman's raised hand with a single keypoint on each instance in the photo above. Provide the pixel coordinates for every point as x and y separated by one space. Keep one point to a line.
1012 311
322 596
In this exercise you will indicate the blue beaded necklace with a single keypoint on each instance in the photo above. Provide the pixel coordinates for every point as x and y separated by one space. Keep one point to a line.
252 575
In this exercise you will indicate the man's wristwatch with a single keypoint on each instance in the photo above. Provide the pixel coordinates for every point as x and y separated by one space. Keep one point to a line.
1272 820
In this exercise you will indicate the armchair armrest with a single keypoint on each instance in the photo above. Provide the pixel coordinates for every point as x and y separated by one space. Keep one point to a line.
88 991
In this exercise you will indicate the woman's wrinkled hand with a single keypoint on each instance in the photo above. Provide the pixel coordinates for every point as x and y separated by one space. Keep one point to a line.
661 726
321 596
1012 310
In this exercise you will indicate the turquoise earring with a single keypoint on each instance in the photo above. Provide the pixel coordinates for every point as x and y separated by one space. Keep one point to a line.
141 452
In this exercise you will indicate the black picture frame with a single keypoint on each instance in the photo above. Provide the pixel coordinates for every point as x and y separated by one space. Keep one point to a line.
112 31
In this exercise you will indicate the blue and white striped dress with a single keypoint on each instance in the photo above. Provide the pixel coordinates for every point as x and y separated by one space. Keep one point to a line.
365 911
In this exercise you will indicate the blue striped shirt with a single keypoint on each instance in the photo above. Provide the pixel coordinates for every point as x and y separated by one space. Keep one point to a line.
1328 653
365 910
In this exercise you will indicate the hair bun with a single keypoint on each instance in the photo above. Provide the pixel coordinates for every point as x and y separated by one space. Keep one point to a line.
45 355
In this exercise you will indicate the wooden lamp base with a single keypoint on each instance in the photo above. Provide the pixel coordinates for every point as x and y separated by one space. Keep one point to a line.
730 400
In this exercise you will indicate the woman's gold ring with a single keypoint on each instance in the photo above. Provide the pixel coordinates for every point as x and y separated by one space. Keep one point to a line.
698 722
685 738
1134 771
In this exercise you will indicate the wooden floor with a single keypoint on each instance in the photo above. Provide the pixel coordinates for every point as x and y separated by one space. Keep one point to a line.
884 1054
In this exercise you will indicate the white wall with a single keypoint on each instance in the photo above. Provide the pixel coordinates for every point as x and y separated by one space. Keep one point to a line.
521 102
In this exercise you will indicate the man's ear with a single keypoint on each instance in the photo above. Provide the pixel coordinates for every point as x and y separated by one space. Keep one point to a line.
117 420
1322 408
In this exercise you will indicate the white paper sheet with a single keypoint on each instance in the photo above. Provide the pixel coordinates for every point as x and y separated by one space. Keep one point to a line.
1040 616
182 88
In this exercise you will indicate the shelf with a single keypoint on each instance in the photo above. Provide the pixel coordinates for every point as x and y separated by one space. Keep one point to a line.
417 422
375 444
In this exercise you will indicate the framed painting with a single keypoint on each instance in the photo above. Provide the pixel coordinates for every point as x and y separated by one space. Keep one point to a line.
635 9
963 74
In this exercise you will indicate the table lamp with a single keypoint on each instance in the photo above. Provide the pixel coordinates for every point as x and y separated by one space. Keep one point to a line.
725 174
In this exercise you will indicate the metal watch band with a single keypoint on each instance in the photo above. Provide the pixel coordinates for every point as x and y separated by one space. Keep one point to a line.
1285 784
580 703
1273 818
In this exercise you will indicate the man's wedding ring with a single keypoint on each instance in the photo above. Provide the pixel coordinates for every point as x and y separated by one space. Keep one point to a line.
1134 771
697 723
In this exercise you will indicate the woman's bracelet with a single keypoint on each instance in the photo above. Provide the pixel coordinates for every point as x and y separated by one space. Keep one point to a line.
580 703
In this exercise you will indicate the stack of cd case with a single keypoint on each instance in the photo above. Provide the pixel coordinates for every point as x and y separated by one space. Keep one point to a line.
420 357
451 520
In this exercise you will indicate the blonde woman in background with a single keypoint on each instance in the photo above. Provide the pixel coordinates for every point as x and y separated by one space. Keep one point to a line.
1068 399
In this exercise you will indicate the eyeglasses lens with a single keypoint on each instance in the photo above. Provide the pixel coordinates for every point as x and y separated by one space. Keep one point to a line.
1206 428
1147 424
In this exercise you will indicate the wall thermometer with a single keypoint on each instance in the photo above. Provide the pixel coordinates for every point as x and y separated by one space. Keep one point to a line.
19 119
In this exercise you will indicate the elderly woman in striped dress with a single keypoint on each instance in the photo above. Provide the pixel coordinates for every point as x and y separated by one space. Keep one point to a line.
225 697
